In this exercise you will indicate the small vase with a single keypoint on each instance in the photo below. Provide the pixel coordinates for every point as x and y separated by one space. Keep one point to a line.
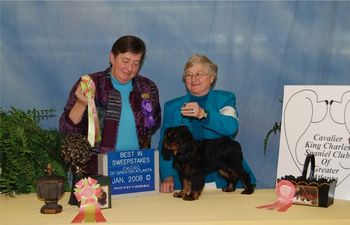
50 188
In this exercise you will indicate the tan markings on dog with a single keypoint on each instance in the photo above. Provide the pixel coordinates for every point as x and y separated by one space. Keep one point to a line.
187 170
192 196
229 188
224 173
196 195
173 147
185 189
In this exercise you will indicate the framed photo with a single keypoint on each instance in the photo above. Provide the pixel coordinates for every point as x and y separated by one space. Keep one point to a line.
306 195
104 200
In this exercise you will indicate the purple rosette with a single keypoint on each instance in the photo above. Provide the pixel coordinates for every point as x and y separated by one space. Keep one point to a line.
147 110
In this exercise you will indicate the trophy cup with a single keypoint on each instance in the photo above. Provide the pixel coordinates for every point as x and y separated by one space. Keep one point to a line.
50 188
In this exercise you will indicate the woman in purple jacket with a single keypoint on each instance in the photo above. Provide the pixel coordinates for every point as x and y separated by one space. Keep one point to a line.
127 103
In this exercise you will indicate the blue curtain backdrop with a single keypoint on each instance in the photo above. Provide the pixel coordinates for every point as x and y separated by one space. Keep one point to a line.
259 47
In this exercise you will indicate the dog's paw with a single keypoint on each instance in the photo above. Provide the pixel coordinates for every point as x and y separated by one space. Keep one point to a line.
228 189
191 196
178 195
247 191
188 198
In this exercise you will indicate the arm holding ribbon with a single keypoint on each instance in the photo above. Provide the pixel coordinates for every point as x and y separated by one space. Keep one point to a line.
85 94
76 124
77 112
80 110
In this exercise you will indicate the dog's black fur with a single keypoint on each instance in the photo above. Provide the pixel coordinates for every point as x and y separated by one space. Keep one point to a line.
195 159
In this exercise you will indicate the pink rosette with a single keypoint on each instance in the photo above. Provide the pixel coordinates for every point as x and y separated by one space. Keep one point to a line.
285 191
87 192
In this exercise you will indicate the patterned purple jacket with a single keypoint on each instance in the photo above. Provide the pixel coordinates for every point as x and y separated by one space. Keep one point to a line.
108 105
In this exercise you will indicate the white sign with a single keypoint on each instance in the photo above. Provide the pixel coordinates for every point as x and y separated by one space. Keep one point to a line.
316 119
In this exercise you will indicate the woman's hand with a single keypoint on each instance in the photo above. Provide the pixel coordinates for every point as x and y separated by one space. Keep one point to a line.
77 111
167 186
81 98
192 109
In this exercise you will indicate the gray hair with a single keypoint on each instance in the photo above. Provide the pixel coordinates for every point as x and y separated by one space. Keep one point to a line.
204 60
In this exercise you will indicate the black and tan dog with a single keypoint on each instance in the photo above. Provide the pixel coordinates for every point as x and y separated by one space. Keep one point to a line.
195 159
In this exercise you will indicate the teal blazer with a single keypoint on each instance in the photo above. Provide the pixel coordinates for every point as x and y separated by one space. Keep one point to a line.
216 125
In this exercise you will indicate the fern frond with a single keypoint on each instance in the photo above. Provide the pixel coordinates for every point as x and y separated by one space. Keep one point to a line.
43 114
26 149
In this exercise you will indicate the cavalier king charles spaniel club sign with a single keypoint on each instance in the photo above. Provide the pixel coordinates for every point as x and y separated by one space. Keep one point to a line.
132 173
316 120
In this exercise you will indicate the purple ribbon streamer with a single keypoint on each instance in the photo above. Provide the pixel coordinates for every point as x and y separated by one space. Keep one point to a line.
147 112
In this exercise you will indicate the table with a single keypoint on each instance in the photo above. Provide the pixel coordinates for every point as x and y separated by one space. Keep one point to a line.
214 207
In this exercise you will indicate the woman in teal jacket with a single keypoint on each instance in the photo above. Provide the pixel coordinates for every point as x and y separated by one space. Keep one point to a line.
206 112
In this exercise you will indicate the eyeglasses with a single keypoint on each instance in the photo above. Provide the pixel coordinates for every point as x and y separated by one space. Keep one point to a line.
198 75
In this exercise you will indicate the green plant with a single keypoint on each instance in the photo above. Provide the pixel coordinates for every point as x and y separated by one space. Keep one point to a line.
276 128
26 149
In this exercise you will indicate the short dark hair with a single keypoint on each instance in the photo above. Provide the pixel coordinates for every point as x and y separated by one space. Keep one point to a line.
129 43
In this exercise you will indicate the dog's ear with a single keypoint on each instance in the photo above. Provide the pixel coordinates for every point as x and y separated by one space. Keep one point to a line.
166 153
185 150
186 134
